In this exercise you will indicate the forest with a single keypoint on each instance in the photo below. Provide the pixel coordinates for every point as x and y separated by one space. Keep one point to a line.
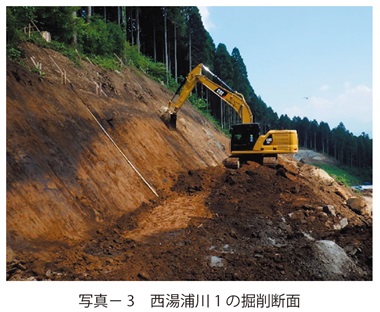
166 43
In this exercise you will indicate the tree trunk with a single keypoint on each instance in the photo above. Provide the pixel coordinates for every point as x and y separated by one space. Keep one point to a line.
305 140
154 44
190 62
88 13
315 140
323 144
138 29
175 53
124 21
166 47
74 40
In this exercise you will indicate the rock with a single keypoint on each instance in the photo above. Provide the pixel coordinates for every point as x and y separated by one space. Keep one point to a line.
49 273
233 234
330 209
217 262
341 225
285 227
343 222
357 205
341 193
335 260
143 276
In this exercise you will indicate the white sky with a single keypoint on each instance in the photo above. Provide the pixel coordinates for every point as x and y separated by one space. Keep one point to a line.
304 61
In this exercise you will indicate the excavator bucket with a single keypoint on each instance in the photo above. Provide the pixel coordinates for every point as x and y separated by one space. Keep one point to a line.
173 121
170 119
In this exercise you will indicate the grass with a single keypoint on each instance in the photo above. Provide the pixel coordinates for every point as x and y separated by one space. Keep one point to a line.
342 175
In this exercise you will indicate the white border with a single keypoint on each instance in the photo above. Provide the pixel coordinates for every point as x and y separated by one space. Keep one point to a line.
314 296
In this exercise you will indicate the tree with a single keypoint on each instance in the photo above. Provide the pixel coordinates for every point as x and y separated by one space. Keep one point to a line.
324 131
223 66
59 21
176 17
313 134
304 129
17 18
240 75
100 38
166 44
201 45
339 138
223 69
284 122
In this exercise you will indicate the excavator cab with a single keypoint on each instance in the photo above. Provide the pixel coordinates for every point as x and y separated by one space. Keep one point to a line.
244 136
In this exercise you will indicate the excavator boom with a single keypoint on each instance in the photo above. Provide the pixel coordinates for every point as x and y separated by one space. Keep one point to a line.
233 98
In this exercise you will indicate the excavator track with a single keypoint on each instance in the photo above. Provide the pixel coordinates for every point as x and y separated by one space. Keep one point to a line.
232 163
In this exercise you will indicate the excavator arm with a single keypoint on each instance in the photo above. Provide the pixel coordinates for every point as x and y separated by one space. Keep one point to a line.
234 99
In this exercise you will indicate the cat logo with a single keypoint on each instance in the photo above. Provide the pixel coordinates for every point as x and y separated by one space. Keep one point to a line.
220 92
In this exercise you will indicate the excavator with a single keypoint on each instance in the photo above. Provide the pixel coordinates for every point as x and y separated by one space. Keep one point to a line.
247 142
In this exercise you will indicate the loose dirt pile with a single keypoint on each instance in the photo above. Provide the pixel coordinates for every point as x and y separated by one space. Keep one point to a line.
77 211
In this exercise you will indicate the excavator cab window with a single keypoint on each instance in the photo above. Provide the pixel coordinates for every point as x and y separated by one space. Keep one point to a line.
268 140
244 136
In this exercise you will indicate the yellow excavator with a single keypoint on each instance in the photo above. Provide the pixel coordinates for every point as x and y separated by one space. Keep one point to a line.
247 142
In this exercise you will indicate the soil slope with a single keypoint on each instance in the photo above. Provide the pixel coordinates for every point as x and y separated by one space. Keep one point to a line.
76 210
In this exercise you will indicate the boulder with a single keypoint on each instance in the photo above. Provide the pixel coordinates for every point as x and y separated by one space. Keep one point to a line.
358 205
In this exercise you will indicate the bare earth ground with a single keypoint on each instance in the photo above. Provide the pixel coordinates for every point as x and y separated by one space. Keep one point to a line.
77 211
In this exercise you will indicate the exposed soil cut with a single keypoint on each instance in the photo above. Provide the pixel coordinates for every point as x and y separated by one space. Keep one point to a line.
76 210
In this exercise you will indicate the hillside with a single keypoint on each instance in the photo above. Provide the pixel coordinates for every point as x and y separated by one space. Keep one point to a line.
76 209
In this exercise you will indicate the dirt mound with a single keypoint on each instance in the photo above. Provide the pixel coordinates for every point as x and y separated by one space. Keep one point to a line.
314 158
76 210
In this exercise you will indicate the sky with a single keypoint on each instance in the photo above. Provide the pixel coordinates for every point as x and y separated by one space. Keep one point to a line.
313 62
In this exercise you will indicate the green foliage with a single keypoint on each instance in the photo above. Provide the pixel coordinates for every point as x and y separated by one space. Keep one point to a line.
240 75
13 53
58 20
106 62
63 48
100 38
66 50
17 18
201 106
223 66
144 63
